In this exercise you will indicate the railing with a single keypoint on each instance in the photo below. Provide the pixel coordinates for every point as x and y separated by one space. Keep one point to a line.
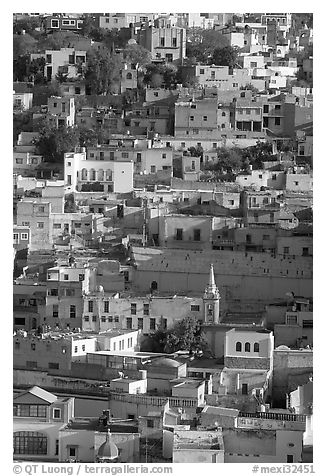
274 416
153 400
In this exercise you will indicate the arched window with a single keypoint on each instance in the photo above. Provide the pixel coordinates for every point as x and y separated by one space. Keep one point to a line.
100 175
30 443
223 114
84 174
256 347
154 285
129 76
247 347
108 175
92 174
238 347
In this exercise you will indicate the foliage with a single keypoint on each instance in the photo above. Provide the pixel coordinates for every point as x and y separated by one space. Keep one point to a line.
41 92
103 70
184 335
54 143
228 161
136 54
57 40
70 204
28 25
259 153
157 75
23 45
202 43
186 77
226 56
20 68
196 151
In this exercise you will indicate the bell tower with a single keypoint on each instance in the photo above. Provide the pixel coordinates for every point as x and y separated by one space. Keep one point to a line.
211 300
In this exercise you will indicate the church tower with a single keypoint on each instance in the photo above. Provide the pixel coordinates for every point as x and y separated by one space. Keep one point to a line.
211 300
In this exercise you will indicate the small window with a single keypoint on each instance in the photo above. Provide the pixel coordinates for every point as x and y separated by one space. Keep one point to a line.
90 306
66 277
56 413
40 224
238 347
133 308
205 118
106 306
140 323
256 347
152 324
195 308
247 347
146 309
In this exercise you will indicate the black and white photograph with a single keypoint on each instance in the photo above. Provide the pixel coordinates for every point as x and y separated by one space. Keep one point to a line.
162 239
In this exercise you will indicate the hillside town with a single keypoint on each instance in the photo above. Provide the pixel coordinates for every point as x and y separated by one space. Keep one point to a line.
163 237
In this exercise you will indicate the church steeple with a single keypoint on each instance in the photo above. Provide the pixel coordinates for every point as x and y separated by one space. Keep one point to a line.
211 290
211 300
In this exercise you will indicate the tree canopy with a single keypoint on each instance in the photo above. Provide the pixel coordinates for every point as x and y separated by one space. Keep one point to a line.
184 335
103 70
157 75
226 56
137 54
202 43
54 143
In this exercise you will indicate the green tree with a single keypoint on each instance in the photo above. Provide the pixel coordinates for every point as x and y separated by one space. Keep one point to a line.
157 75
137 54
259 153
103 71
226 56
24 45
54 143
202 43
228 161
70 204
185 335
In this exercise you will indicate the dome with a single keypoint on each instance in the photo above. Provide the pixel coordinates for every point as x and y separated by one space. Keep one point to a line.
282 347
108 450
165 362
132 41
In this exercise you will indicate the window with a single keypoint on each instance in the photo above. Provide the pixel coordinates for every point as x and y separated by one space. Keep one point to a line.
266 108
30 443
94 319
174 42
305 251
196 234
55 310
201 71
31 364
266 237
256 347
129 322
106 306
25 223
72 451
163 156
195 131
33 346
40 224
16 236
19 161
49 58
116 318
277 121
125 155
140 323
53 365
133 308
162 42
247 347
69 292
289 458
195 308
205 118
286 250
80 276
179 234
150 423
153 169
90 306
244 389
146 309
271 217
66 277
192 118
238 347
72 311
154 285
152 324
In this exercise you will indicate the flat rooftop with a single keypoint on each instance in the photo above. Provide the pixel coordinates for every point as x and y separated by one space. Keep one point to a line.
190 440
137 355
93 424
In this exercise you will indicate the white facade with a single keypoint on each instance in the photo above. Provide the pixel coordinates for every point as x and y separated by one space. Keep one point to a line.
112 176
